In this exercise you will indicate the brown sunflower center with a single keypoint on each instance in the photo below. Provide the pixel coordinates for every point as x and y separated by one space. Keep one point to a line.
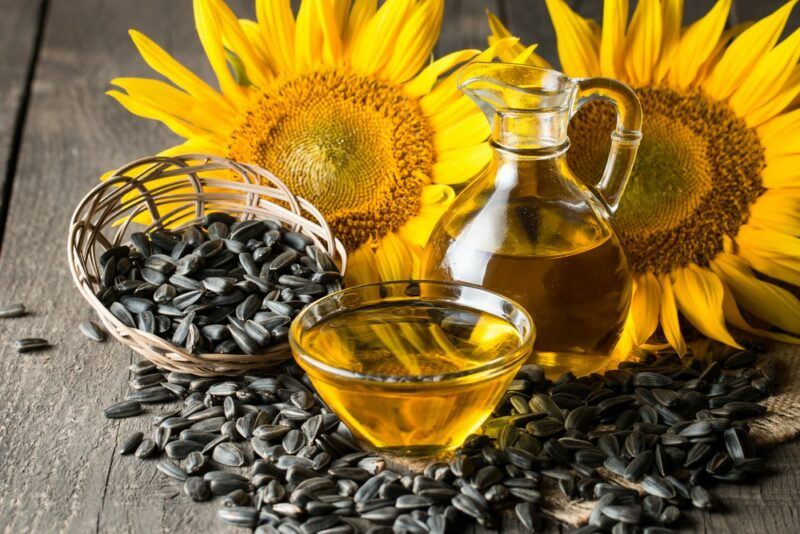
696 175
355 147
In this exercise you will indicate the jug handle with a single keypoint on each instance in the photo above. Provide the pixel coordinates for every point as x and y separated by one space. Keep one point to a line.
625 137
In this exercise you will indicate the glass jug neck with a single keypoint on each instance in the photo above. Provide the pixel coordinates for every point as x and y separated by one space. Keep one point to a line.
532 131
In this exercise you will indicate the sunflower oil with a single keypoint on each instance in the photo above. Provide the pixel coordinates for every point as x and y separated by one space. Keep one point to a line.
390 346
564 266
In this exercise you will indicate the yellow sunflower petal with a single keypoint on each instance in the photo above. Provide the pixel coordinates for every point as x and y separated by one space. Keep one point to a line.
776 210
447 89
236 41
734 317
612 39
499 31
645 306
671 15
209 31
768 242
425 80
578 40
460 109
307 36
415 41
627 341
527 56
670 323
470 131
699 294
341 10
436 198
329 19
361 266
768 76
460 165
716 55
138 107
771 303
169 99
514 53
167 66
373 47
784 269
643 46
278 27
745 52
780 136
360 15
696 45
394 258
252 32
777 103
782 171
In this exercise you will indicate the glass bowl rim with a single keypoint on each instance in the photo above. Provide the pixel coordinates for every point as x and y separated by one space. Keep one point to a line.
496 364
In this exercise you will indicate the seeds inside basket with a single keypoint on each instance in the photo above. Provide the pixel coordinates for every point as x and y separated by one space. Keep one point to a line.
223 286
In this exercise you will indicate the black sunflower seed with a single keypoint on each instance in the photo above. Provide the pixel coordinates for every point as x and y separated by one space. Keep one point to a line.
738 443
625 513
127 408
238 516
701 498
651 380
197 489
638 466
130 444
658 487
228 454
90 330
172 470
146 448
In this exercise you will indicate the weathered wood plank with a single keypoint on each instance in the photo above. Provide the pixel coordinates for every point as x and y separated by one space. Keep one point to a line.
58 471
19 31
465 25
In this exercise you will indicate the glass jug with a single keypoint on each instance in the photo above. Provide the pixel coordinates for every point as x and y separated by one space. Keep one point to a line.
529 228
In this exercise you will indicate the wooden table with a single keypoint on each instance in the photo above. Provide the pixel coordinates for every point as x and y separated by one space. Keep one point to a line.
58 467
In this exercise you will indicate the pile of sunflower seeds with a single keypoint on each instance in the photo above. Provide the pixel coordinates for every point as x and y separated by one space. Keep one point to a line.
224 286
673 425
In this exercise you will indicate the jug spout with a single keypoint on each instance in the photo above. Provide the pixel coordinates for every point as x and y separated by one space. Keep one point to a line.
527 107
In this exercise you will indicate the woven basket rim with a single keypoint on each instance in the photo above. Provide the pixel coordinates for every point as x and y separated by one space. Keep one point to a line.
255 197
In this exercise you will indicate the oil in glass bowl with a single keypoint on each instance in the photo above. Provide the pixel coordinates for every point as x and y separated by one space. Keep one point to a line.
413 375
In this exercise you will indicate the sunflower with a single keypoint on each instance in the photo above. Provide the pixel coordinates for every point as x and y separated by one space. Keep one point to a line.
711 217
341 102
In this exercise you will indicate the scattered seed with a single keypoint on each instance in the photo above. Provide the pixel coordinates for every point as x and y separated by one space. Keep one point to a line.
130 443
228 454
127 408
171 469
30 344
92 331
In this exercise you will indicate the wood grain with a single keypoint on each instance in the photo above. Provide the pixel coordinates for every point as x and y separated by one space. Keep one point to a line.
58 467
465 25
19 32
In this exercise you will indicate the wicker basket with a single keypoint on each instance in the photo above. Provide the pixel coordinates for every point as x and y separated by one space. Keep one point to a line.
175 192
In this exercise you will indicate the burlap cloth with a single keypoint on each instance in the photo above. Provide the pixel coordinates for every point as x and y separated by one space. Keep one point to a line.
780 424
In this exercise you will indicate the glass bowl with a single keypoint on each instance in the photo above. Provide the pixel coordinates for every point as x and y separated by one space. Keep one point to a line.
412 367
